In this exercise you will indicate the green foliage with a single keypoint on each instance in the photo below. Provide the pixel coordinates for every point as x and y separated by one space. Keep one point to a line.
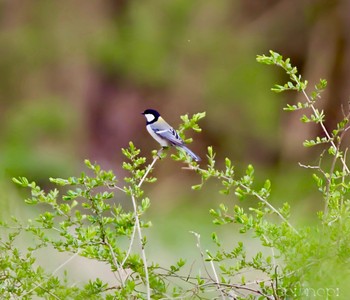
81 216
33 136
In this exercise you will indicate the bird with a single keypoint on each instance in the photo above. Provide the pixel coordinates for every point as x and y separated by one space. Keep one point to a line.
164 134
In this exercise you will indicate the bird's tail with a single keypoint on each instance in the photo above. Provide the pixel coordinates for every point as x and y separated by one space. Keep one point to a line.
190 153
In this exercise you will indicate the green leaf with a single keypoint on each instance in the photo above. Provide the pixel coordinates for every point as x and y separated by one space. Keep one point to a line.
196 187
22 181
267 184
215 239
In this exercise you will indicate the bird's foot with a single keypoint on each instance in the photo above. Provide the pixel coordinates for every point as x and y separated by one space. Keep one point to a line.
160 153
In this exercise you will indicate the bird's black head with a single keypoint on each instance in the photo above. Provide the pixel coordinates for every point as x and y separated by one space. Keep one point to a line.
151 115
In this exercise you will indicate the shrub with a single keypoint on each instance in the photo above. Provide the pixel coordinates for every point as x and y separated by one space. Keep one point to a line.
81 217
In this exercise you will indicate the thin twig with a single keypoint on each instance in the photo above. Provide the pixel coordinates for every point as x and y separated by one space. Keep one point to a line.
130 247
343 181
197 235
112 187
241 287
270 206
115 261
148 170
329 182
326 131
231 286
308 166
275 289
53 273
138 229
143 253
216 281
343 159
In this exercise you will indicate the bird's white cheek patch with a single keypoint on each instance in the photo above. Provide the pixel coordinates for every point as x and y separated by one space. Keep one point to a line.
149 117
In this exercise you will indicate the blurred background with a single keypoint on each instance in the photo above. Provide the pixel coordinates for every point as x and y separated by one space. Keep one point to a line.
75 76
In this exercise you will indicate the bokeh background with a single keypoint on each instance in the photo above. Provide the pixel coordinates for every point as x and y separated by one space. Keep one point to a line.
75 76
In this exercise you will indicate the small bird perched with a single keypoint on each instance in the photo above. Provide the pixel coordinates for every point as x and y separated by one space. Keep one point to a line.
163 133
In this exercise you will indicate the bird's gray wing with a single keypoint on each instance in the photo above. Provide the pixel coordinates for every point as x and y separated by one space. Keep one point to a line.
171 135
